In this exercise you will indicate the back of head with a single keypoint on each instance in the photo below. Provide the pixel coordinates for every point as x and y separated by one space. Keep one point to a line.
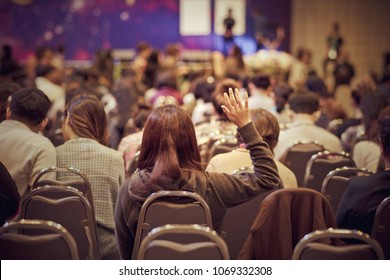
384 132
267 125
304 103
43 70
371 105
29 106
169 143
261 81
316 85
217 98
204 88
6 90
166 79
87 118
282 92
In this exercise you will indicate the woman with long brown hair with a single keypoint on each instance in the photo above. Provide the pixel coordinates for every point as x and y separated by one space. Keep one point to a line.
170 160
85 148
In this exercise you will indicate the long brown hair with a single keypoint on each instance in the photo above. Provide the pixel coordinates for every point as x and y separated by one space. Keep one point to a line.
169 143
87 118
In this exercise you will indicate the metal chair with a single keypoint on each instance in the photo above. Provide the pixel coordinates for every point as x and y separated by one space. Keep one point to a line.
321 164
335 183
67 206
381 226
223 145
171 207
239 219
81 182
56 244
297 156
154 248
309 247
284 217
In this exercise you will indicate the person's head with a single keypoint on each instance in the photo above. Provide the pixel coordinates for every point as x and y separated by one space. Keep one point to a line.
304 55
85 117
169 143
371 105
305 103
217 98
267 125
204 88
144 49
282 91
50 72
316 85
260 81
6 90
336 27
384 134
166 79
29 106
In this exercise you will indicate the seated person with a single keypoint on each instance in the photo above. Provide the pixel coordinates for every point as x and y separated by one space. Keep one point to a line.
364 193
170 160
305 112
9 196
86 149
24 151
266 124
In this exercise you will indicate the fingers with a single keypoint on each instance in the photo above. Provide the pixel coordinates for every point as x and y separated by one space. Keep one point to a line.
246 100
228 104
233 101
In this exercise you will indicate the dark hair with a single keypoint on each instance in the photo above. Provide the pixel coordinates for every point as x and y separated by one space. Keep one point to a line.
142 46
267 125
261 81
217 98
384 130
29 105
169 143
87 118
43 70
166 79
204 88
6 90
282 92
304 102
371 105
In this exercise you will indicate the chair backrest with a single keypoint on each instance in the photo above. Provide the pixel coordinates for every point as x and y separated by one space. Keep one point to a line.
297 156
320 164
239 219
335 183
381 226
284 217
310 248
81 183
67 206
56 244
171 207
223 145
154 247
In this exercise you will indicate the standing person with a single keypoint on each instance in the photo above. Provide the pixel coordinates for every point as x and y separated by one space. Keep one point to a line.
85 148
364 193
170 160
228 23
24 151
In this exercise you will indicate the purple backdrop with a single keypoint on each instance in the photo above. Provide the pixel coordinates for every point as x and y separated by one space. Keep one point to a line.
85 26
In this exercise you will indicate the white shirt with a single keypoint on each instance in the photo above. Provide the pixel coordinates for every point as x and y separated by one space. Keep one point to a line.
304 129
229 162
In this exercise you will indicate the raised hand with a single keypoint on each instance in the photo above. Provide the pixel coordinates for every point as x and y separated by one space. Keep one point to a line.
237 112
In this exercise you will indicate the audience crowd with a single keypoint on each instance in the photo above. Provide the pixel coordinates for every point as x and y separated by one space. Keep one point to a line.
153 124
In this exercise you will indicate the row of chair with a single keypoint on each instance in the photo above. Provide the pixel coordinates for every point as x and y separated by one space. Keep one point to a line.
159 209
